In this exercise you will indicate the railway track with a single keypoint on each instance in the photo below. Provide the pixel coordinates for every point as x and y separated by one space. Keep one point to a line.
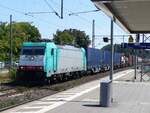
8 93
37 92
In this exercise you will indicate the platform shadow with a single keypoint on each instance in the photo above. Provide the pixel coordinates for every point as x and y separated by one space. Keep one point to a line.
92 105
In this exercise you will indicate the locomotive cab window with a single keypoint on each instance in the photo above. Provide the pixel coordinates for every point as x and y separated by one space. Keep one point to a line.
33 51
39 51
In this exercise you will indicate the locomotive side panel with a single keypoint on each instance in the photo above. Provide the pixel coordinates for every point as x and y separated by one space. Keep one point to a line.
50 59
70 59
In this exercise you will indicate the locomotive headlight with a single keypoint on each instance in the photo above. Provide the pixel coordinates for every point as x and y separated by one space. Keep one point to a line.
41 68
32 58
21 67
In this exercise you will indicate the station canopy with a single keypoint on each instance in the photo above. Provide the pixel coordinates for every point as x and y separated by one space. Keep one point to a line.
131 15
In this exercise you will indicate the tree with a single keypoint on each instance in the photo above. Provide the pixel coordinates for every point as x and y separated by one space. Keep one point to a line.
63 38
25 31
80 38
22 31
3 30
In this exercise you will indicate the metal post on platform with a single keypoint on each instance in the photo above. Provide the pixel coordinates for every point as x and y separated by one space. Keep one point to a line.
135 68
106 93
141 71
143 38
142 61
112 51
112 58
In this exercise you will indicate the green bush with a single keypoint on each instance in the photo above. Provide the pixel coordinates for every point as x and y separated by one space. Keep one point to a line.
12 73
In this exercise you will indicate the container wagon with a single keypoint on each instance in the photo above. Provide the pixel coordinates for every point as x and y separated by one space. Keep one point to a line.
94 60
117 60
106 60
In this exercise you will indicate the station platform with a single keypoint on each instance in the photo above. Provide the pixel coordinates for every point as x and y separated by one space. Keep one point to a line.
128 97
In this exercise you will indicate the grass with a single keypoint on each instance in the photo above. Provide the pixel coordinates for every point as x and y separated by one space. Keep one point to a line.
10 102
8 76
4 77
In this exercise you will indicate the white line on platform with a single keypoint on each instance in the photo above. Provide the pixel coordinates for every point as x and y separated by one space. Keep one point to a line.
119 76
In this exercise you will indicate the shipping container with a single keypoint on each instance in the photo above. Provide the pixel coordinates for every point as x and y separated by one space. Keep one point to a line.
94 59
131 60
117 59
106 60
106 57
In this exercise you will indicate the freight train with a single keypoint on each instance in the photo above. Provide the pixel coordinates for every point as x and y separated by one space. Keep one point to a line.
48 61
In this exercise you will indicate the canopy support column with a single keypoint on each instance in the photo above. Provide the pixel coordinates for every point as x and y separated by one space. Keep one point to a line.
112 51
135 68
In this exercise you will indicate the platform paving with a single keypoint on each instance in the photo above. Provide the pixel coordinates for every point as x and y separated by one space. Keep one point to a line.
128 97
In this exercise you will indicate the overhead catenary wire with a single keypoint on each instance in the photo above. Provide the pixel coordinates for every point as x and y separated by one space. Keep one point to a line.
41 19
85 20
73 13
49 5
70 12
88 22
30 15
81 17
39 12
83 12
33 16
14 10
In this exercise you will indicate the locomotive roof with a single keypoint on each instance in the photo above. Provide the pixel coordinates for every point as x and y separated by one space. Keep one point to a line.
68 47
37 43
50 44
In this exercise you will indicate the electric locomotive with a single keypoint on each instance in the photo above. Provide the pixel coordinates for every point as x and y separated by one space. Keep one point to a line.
46 60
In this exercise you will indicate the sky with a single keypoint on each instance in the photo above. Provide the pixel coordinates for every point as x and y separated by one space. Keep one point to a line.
49 23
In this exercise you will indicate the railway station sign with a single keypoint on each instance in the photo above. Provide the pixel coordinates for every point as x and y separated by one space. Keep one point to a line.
130 40
136 45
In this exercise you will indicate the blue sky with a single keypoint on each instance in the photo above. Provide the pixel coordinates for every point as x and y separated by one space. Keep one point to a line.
49 23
